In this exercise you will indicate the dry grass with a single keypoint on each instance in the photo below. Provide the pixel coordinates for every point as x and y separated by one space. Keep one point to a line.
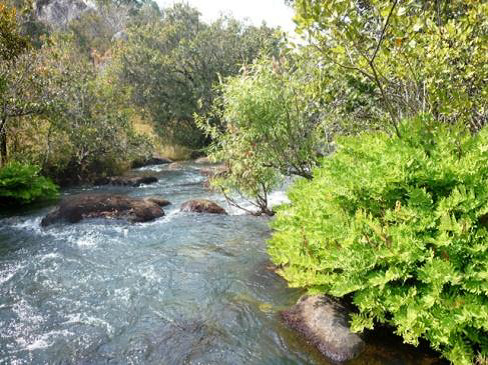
481 360
174 152
144 127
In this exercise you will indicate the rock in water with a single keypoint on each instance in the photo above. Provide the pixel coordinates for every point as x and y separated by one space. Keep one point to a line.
215 171
175 166
323 322
75 208
154 160
133 181
202 206
158 200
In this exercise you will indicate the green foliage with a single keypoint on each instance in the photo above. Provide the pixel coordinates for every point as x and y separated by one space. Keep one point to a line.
172 62
94 29
399 226
12 43
83 129
20 83
413 55
90 130
21 183
266 125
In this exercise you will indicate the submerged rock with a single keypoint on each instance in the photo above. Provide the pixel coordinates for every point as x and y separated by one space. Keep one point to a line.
154 160
202 206
323 322
213 172
133 181
75 208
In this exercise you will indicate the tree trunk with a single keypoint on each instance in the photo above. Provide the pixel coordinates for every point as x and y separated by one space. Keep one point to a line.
3 149
3 143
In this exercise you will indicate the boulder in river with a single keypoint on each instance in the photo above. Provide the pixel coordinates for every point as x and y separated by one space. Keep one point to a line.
133 181
75 208
158 200
323 322
154 160
202 206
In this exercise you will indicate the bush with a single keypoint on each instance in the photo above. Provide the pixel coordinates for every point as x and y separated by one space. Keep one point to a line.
85 128
267 124
21 183
400 227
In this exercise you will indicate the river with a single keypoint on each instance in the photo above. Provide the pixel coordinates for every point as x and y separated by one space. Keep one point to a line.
184 289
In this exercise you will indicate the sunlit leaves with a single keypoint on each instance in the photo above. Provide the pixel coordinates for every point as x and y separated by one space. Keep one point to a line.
12 43
427 56
272 126
399 224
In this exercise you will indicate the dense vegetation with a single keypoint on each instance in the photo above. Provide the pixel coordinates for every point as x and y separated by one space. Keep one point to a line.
85 97
172 63
381 118
22 184
400 225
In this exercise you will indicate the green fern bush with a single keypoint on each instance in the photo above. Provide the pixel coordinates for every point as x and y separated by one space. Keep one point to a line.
400 226
22 184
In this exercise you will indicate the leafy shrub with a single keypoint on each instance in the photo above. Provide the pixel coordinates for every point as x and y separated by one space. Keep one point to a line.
400 227
21 183
269 125
87 129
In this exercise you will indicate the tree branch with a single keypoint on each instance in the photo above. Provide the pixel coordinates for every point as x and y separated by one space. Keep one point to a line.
383 32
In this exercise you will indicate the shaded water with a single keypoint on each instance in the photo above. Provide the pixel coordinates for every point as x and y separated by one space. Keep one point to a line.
185 289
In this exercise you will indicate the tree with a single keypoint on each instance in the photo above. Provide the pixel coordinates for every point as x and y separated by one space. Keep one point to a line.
267 124
12 43
94 29
89 127
172 63
426 56
72 119
21 81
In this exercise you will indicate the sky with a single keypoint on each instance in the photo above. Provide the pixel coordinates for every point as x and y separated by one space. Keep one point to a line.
273 12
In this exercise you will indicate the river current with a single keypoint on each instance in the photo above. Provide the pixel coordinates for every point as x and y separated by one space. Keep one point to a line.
184 289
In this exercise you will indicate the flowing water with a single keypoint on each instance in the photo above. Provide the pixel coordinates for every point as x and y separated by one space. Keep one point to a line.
184 289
